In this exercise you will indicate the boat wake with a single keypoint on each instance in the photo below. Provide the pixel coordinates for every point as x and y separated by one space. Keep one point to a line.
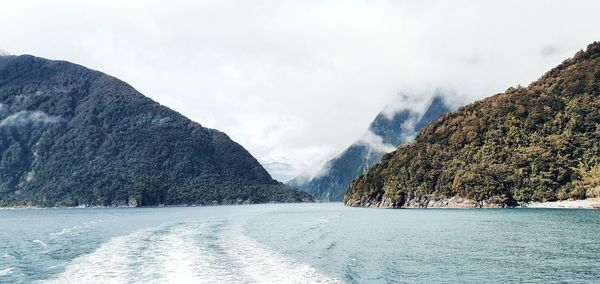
209 252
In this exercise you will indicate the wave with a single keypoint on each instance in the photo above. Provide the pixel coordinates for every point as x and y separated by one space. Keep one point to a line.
6 271
199 252
75 229
264 265
39 242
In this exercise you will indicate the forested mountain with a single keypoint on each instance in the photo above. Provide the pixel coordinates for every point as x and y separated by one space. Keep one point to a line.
71 136
384 134
539 143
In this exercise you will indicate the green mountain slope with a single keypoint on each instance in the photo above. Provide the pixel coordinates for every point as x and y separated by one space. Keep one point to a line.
529 144
72 136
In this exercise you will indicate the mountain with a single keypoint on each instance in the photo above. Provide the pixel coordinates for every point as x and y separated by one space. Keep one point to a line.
539 143
71 136
384 134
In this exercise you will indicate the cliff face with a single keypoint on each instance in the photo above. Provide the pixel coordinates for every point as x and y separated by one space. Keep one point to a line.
72 136
385 134
539 143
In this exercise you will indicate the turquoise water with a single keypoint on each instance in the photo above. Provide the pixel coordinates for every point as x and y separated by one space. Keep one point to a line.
299 243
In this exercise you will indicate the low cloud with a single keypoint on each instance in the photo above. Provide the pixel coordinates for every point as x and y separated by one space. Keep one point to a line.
23 118
415 101
375 142
4 111
281 171
324 170
408 129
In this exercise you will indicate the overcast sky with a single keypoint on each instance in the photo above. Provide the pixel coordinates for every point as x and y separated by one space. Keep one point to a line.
295 82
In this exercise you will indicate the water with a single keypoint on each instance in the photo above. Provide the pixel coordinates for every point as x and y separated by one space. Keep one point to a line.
299 243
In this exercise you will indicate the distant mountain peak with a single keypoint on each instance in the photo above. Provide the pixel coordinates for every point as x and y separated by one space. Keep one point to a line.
384 134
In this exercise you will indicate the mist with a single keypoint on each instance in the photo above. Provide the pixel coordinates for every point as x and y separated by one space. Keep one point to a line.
23 118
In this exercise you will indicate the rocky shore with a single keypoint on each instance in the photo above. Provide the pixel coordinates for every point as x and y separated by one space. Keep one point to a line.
412 200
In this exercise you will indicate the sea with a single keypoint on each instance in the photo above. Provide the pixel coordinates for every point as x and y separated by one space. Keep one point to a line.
299 243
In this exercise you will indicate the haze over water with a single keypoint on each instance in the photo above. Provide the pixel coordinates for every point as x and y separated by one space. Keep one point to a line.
304 243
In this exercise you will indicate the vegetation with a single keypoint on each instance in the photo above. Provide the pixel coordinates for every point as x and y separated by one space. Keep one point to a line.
70 136
539 143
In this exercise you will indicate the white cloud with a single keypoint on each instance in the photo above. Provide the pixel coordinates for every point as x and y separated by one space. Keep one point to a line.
281 171
4 111
297 81
375 142
23 118
416 101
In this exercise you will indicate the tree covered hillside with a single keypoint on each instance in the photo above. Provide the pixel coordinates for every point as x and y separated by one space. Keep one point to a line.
529 144
72 136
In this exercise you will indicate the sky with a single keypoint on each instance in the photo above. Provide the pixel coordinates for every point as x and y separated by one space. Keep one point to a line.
296 82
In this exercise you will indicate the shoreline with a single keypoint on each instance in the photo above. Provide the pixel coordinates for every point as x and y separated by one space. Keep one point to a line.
437 202
589 203
149 206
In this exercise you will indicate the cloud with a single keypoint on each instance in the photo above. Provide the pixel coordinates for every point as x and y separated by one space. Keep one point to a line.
4 111
375 142
549 50
415 101
281 171
298 81
324 170
23 118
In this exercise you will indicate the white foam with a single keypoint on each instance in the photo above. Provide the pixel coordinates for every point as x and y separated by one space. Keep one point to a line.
206 252
180 257
5 271
38 242
75 229
264 265
105 265
162 255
